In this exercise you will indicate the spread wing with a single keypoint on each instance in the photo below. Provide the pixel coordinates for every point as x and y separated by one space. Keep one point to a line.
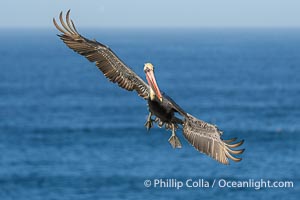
106 60
206 138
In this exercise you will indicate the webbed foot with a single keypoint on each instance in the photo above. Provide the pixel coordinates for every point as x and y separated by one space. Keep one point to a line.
149 122
175 142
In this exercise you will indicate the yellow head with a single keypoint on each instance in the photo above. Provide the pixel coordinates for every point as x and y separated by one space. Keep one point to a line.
154 90
148 66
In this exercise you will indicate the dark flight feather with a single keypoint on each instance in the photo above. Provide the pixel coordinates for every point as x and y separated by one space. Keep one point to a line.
106 60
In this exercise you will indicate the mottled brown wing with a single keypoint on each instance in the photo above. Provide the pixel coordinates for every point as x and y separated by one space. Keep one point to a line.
206 138
106 60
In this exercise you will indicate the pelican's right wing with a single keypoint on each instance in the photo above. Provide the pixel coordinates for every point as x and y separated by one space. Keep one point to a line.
206 138
106 60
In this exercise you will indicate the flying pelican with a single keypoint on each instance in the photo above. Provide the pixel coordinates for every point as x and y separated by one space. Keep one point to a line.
205 137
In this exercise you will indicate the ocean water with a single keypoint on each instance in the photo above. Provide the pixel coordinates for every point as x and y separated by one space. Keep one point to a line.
68 133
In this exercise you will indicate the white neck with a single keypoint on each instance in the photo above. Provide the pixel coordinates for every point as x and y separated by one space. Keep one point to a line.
152 94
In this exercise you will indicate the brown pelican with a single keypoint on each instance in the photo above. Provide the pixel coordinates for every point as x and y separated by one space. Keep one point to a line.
203 136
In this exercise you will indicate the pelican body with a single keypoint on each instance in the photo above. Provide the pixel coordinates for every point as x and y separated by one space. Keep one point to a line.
205 137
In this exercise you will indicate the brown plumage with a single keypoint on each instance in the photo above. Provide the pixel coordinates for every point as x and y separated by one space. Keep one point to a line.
205 137
106 60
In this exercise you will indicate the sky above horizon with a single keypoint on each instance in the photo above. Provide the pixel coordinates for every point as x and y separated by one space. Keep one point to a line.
153 13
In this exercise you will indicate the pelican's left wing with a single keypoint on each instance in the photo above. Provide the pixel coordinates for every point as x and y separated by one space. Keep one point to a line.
106 60
206 138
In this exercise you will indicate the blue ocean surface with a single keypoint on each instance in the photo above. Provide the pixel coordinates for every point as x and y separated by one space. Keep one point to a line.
67 133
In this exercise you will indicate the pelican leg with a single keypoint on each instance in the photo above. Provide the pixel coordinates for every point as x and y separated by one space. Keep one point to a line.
174 141
149 122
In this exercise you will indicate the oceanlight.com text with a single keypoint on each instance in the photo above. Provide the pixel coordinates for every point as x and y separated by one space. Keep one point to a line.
256 184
